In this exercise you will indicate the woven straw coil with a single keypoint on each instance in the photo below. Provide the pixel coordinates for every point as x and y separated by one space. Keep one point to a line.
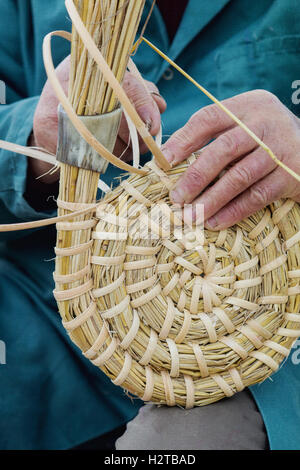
174 318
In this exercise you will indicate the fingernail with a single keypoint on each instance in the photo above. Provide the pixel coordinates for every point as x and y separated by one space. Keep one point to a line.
211 223
157 94
161 98
168 155
177 196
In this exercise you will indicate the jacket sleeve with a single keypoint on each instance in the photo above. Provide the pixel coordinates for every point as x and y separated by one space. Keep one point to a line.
16 121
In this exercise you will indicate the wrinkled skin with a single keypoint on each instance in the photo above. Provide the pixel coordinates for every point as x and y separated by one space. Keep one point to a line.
253 180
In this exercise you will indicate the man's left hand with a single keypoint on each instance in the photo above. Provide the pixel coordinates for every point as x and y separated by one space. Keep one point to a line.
252 180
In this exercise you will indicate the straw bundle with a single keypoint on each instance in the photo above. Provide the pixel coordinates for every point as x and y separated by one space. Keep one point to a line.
113 26
176 317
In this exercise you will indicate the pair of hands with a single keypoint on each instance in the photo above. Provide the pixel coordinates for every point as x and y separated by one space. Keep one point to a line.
251 181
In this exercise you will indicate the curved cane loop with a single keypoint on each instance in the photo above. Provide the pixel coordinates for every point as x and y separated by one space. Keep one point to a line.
113 82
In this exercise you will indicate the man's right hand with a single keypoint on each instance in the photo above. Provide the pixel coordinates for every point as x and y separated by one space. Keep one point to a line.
45 125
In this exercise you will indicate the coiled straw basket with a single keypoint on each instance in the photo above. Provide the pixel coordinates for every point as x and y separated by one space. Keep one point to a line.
178 317
181 325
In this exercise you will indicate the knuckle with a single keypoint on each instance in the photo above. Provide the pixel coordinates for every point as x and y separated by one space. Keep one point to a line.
263 129
183 138
229 143
208 116
240 177
259 195
45 122
151 86
132 86
234 211
140 100
129 78
266 96
195 176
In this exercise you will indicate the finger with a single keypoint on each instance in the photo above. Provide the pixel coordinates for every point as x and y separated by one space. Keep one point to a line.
235 181
258 196
211 161
203 126
159 100
144 104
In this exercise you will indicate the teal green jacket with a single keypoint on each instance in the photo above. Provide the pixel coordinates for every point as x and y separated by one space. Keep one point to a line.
50 396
